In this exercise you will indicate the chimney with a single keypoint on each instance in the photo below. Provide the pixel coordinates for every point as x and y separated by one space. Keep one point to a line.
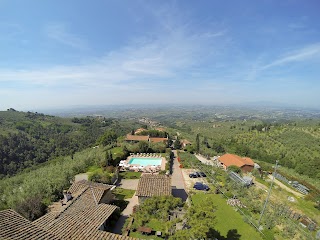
67 196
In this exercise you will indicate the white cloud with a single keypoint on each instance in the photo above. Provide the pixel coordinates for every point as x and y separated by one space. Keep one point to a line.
299 55
147 60
59 33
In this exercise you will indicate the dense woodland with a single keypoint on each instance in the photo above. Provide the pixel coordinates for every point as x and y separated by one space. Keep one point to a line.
27 139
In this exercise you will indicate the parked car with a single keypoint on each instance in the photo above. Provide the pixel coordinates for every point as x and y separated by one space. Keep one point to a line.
200 186
193 175
202 174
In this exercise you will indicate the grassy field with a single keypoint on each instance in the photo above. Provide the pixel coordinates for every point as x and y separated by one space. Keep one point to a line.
117 151
122 193
130 175
227 218
94 168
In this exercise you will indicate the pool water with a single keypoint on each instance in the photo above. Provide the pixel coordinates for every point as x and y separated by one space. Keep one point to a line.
146 161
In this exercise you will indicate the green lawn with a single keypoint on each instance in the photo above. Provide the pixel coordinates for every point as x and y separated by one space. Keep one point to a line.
94 168
116 151
227 218
130 175
121 193
156 225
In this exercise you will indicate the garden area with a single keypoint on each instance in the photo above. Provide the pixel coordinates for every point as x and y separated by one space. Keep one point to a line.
187 160
154 213
229 223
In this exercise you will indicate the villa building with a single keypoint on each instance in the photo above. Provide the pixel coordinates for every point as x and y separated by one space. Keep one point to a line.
138 138
244 163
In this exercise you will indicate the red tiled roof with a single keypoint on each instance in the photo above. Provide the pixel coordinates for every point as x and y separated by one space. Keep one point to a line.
136 138
231 159
155 139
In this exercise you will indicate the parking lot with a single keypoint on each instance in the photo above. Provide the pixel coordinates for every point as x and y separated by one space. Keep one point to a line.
189 182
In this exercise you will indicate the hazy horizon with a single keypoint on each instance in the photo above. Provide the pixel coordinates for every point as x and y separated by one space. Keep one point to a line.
62 54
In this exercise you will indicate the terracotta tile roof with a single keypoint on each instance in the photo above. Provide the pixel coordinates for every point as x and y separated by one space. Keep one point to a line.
154 185
14 226
82 217
46 219
248 161
232 159
156 139
136 138
81 223
98 189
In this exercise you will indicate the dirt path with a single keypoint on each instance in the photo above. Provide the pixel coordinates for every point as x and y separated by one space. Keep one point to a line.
81 176
280 184
203 160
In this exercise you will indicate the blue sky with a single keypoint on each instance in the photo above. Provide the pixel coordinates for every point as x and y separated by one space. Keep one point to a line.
68 53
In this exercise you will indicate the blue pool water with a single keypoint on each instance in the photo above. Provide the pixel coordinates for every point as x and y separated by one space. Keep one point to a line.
145 161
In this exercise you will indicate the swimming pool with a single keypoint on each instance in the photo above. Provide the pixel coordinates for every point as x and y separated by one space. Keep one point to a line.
146 161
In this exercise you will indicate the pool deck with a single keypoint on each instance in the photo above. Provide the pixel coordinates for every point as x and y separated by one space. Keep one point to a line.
162 166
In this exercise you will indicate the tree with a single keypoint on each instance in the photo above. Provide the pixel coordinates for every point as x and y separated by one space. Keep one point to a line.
177 143
200 221
31 208
110 159
198 143
125 151
155 208
143 146
108 138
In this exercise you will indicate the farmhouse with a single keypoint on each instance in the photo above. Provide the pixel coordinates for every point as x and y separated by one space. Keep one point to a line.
153 185
244 163
83 214
138 138
158 139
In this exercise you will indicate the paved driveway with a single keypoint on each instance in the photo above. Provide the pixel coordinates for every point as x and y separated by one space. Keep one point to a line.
128 184
177 180
131 184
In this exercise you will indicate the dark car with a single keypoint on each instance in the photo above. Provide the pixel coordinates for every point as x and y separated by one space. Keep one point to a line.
200 186
202 174
193 175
